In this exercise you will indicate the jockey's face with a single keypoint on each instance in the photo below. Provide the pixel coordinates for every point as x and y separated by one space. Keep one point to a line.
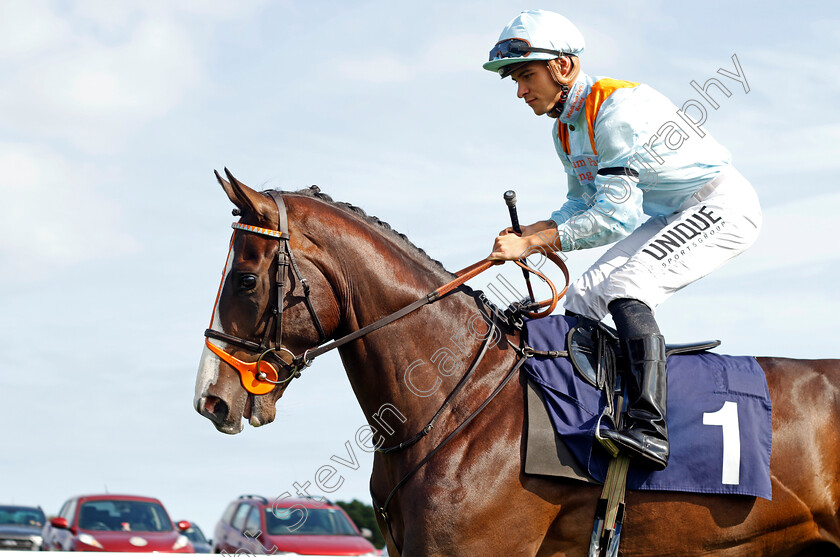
537 87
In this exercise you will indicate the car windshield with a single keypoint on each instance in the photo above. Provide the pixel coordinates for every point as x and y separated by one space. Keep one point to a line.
126 516
22 516
327 522
195 534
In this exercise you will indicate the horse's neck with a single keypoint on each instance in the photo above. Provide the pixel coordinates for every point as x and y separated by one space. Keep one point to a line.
403 372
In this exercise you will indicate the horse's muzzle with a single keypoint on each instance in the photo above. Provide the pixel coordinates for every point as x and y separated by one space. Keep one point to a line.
217 411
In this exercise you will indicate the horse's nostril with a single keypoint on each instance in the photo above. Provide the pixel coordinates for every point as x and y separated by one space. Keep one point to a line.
215 408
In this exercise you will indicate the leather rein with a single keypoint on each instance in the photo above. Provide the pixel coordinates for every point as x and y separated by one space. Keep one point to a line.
261 376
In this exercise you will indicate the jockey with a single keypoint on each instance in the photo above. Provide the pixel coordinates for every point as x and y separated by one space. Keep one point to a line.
626 153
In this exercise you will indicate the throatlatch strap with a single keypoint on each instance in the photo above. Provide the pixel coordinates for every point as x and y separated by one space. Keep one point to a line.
609 514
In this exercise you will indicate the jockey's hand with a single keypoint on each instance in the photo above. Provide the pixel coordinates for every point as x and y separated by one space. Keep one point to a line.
532 229
509 246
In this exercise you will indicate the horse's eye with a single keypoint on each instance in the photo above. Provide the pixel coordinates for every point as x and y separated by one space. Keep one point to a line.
248 282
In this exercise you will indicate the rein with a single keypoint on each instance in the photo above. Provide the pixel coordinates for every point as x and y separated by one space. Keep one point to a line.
383 508
261 376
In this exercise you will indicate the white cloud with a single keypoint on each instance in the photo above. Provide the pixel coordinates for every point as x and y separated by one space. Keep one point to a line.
94 72
450 54
464 52
794 235
813 147
28 27
53 216
788 108
110 15
376 70
94 94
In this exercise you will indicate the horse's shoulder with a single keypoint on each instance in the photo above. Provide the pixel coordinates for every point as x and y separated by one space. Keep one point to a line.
777 365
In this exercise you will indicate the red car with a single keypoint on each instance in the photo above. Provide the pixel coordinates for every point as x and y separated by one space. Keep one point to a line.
114 523
304 526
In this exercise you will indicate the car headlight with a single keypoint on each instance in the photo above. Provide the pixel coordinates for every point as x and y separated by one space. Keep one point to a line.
87 539
181 542
36 540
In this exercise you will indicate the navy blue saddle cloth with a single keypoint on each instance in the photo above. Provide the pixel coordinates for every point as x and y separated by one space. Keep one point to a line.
718 413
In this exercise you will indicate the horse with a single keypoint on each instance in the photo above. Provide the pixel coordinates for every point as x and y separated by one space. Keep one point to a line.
319 270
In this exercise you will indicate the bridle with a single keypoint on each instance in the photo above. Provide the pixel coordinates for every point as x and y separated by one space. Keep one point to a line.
260 377
271 344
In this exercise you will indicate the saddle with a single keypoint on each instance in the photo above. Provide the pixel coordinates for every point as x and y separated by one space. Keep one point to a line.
571 392
596 353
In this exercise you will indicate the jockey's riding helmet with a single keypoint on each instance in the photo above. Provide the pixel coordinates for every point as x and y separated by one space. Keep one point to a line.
534 35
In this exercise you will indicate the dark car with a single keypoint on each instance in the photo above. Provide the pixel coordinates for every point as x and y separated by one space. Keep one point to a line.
196 536
304 526
114 523
20 527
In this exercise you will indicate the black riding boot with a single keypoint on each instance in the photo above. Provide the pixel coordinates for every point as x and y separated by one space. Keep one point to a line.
645 433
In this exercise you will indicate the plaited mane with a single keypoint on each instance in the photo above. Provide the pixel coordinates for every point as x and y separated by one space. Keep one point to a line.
315 191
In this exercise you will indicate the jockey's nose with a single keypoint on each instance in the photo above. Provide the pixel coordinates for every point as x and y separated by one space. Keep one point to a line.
521 90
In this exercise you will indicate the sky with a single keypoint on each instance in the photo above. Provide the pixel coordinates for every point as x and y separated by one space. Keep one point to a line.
113 116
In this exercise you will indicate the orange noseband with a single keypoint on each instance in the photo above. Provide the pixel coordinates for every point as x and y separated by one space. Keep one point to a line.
251 374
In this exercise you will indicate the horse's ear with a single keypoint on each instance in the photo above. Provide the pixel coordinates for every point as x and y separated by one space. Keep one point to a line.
246 199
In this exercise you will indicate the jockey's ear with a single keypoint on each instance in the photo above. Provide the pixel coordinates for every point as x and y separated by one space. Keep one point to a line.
248 201
564 70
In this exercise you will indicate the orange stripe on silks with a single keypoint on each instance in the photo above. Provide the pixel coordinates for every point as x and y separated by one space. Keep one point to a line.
598 93
563 134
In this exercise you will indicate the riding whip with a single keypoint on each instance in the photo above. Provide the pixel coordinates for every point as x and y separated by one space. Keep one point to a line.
510 200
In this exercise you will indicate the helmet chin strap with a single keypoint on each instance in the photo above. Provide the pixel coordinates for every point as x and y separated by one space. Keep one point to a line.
555 68
558 107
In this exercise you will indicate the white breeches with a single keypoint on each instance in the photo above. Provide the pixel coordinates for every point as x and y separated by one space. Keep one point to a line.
669 252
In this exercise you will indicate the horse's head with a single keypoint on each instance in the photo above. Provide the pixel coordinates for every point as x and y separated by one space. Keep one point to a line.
273 304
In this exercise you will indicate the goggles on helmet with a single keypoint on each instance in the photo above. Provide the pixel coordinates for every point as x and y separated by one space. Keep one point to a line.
516 48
